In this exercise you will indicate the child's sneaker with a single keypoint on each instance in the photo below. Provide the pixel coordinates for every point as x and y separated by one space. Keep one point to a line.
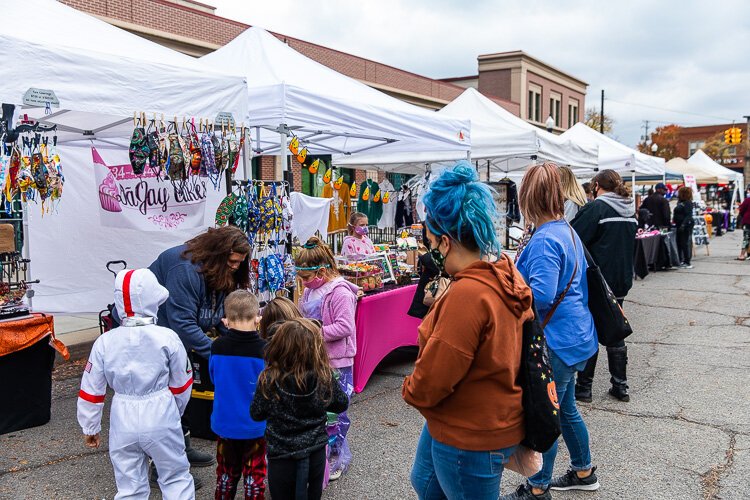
571 481
335 474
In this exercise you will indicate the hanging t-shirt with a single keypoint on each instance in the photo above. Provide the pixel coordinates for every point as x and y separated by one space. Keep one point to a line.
341 206
371 208
388 219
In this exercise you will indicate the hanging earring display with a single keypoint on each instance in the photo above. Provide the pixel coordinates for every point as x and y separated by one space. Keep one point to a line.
302 156
353 190
376 198
339 182
366 194
327 176
386 197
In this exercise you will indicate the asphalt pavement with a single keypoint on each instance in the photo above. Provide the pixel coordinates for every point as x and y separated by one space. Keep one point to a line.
684 435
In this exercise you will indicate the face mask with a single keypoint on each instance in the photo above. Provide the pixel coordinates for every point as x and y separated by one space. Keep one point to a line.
314 283
438 259
361 230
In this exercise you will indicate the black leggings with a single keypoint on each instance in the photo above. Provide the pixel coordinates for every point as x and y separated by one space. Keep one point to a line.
685 244
282 476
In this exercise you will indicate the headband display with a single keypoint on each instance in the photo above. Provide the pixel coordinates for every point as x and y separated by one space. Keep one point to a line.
312 268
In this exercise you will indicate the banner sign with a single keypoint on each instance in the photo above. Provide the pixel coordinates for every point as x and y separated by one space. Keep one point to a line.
692 184
146 202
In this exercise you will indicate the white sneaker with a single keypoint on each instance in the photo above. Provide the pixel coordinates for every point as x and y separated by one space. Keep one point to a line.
334 475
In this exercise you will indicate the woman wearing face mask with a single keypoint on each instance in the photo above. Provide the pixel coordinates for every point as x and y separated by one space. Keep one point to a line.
357 243
465 378
332 300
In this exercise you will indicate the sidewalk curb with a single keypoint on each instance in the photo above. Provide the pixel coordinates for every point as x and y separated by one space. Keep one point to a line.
78 343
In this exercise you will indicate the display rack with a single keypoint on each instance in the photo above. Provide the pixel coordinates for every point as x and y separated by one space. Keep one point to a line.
14 285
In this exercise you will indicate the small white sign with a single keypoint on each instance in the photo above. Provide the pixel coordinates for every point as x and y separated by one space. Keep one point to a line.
42 98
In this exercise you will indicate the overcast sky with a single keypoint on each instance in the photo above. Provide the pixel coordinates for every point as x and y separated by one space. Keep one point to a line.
684 55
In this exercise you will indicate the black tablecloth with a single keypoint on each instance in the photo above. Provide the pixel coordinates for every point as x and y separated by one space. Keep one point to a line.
657 252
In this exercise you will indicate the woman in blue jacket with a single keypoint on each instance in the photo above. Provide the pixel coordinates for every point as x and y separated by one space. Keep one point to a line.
554 264
198 275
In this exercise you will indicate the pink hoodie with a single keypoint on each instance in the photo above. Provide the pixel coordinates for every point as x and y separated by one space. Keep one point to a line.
338 307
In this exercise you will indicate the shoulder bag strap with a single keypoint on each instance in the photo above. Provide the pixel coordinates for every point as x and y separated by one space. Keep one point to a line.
570 283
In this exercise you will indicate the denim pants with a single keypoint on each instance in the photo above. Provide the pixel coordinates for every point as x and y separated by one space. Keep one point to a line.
574 430
442 471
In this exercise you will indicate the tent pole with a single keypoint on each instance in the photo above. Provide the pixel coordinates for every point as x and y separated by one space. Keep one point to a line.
26 250
633 178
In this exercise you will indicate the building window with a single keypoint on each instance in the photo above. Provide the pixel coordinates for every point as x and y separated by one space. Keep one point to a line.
694 146
732 150
555 106
572 112
535 104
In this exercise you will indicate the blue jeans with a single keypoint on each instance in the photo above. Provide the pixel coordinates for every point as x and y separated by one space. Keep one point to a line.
574 430
444 472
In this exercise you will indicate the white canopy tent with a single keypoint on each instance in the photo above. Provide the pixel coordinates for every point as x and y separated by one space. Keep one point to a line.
507 142
329 112
101 75
614 155
706 164
702 175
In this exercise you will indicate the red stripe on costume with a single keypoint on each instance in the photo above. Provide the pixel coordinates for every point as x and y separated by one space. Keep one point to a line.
180 390
91 398
126 294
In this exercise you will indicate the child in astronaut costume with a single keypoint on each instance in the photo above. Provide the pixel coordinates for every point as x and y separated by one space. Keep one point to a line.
147 367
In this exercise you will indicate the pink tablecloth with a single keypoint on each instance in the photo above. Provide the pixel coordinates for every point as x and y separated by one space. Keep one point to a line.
382 326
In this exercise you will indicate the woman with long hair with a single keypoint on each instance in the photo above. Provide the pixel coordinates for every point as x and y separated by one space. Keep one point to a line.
683 219
198 275
607 227
294 392
465 379
554 265
575 196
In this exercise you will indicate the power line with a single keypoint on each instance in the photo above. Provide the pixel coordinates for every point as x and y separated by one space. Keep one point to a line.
672 110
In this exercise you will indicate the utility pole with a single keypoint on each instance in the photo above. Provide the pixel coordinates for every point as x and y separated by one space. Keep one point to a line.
645 134
601 116
746 170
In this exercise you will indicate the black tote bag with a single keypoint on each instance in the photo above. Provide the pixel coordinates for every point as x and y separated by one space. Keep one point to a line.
609 319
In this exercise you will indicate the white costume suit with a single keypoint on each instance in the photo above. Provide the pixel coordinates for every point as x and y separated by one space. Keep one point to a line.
147 367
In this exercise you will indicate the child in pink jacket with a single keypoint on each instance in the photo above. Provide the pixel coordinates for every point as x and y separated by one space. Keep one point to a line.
332 300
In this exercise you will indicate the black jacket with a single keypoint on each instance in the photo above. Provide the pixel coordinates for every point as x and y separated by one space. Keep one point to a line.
683 215
659 208
427 272
296 419
609 236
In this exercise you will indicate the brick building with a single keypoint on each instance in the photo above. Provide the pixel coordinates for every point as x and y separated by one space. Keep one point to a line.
519 83
711 137
540 90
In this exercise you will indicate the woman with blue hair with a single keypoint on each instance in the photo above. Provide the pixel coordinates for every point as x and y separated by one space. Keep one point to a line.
464 379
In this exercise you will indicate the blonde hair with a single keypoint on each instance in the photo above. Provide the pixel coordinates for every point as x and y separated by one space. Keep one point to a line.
316 255
241 305
541 194
353 218
571 189
277 310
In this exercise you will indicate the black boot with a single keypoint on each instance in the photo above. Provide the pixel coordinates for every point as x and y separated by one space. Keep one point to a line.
153 478
195 457
585 379
618 363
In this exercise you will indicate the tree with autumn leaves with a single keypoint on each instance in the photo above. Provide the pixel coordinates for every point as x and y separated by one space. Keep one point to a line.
666 138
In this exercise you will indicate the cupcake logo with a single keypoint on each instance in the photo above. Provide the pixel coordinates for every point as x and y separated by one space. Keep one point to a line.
108 194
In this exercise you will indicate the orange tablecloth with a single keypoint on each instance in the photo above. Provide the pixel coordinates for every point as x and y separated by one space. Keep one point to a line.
22 333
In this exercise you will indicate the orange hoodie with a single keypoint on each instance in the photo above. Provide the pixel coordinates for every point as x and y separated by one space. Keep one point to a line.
464 380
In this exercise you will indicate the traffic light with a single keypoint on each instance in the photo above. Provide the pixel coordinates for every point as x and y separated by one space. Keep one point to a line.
728 136
737 136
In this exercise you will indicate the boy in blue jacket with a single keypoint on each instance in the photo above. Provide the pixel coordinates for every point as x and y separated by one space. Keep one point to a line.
235 364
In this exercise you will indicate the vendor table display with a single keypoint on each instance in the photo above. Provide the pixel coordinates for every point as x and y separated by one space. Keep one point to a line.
26 359
657 251
382 327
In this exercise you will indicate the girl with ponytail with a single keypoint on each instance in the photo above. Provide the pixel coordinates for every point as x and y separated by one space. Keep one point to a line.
464 380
